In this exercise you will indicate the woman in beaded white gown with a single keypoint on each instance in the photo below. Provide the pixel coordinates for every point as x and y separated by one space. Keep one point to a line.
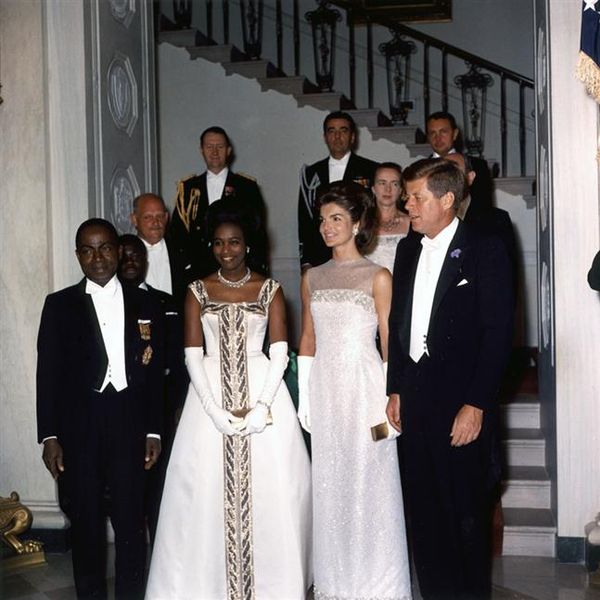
359 539
392 223
235 517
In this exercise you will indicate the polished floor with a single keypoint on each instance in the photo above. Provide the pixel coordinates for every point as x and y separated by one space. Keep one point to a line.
515 578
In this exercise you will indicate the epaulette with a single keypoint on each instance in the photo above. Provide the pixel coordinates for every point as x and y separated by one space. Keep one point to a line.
246 176
187 178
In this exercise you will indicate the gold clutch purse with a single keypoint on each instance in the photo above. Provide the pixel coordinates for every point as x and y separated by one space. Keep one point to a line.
242 412
383 431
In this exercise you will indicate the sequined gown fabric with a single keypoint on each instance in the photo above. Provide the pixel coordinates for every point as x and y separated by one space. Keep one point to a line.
235 518
359 537
384 252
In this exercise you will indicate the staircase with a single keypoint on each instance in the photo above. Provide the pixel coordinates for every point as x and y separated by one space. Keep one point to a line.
304 91
529 528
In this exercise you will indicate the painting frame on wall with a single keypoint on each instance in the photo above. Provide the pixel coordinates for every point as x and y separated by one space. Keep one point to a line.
415 11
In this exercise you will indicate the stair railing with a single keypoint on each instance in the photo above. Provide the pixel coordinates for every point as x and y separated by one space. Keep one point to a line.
269 21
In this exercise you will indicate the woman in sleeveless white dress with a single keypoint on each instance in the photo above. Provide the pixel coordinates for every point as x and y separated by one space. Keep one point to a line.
235 517
359 537
392 222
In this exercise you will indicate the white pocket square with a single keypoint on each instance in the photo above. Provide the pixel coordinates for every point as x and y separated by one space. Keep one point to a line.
462 282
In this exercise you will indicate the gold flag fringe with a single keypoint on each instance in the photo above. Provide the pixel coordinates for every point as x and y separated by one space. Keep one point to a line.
589 73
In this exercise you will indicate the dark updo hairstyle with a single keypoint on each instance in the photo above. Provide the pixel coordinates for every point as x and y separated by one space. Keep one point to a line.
358 202
233 211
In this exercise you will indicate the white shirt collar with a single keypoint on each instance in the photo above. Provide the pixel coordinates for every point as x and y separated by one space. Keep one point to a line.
436 155
443 238
340 161
110 289
143 286
149 246
220 175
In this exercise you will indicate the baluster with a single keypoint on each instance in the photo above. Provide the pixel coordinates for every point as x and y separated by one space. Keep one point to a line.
296 39
226 21
279 30
522 127
209 19
444 80
503 122
426 92
352 58
370 63
252 27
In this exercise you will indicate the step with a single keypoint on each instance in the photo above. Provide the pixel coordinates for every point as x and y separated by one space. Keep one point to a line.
526 487
398 134
217 54
522 412
328 101
368 117
284 85
518 186
528 532
422 150
524 448
252 69
183 38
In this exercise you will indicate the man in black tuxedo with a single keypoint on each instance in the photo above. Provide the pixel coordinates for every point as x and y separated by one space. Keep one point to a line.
99 397
450 337
339 131
442 134
133 267
168 269
195 194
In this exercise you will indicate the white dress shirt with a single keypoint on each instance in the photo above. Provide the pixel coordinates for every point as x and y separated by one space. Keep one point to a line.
110 311
159 269
337 167
428 272
215 185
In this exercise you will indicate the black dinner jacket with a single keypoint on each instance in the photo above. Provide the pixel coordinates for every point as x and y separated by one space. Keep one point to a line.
72 362
470 329
313 250
192 244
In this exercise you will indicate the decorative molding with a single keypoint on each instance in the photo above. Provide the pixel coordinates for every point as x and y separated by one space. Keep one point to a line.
546 305
124 188
543 187
123 11
541 78
122 93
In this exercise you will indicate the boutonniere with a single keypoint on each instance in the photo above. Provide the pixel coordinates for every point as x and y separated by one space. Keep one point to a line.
228 190
147 355
145 331
455 253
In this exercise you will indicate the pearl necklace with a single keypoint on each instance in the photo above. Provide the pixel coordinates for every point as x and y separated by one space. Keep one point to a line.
234 284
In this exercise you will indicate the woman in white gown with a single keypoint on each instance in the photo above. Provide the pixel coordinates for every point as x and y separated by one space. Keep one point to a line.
392 223
359 538
235 518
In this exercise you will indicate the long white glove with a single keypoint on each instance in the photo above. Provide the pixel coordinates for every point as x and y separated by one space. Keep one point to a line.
256 419
304 367
223 420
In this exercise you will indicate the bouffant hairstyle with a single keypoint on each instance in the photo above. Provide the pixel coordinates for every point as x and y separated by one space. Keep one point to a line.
358 202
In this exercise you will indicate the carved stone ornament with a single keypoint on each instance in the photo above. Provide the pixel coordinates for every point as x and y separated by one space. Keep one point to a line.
123 11
546 306
123 189
15 519
122 93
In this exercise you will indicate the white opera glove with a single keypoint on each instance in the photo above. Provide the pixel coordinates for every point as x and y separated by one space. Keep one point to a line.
256 420
304 367
223 420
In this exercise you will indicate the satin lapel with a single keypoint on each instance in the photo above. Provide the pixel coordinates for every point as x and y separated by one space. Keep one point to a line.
452 265
203 203
408 289
90 327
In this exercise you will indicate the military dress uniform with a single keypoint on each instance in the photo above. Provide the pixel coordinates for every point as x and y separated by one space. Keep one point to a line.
188 230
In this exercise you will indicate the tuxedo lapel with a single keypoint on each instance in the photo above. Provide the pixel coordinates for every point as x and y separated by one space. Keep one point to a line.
322 170
203 202
131 310
409 285
452 265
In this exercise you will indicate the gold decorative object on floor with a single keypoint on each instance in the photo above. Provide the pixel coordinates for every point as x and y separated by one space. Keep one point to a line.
15 519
